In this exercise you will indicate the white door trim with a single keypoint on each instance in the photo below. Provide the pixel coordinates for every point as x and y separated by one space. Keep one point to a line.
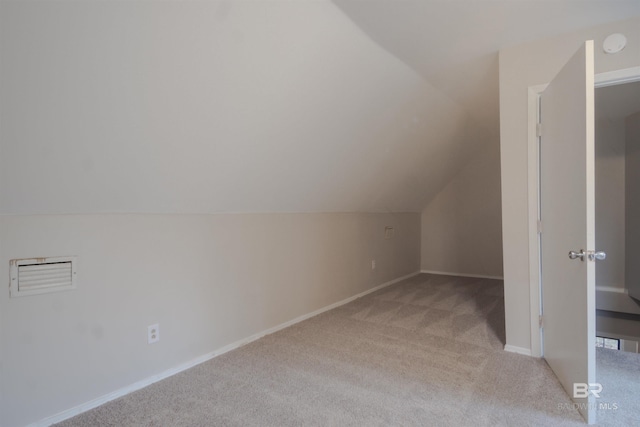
618 77
627 75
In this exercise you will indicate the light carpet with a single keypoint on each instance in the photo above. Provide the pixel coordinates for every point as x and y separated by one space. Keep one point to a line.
427 351
619 374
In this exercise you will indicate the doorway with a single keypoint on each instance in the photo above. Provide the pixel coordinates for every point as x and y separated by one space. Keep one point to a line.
617 222
612 78
534 195
617 159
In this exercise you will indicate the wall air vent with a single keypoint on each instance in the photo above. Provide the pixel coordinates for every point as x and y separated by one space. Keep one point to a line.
42 275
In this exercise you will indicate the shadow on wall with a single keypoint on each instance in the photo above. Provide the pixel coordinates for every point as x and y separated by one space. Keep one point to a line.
470 82
462 213
462 224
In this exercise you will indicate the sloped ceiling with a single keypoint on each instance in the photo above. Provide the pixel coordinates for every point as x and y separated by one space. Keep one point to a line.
240 106
454 44
203 107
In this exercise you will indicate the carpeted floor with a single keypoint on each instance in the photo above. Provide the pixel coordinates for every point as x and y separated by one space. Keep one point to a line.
424 352
619 374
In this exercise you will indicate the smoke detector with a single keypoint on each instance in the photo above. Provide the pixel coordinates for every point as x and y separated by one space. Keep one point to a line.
614 43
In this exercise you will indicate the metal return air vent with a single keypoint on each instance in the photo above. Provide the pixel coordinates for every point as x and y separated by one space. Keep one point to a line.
42 275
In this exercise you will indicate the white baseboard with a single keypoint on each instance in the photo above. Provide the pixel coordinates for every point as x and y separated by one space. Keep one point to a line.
615 290
61 416
447 273
83 407
520 350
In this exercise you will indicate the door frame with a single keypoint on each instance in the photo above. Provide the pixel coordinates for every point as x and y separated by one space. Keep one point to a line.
611 78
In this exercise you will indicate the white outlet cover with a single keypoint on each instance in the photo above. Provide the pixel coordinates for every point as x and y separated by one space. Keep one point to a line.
388 232
153 333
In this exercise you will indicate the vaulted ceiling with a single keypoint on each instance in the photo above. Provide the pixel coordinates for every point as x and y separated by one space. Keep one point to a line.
253 106
454 44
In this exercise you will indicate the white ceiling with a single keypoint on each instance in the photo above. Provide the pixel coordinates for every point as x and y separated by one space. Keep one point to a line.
454 44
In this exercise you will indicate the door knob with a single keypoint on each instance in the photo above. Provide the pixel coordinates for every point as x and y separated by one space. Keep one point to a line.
596 255
574 254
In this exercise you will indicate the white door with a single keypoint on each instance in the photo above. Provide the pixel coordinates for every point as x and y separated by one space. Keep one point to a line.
567 212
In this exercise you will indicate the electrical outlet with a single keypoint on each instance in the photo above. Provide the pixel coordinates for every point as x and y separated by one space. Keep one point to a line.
153 333
373 264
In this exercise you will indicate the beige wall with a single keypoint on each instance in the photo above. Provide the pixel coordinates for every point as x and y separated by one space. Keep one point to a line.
461 225
208 280
610 201
523 66
632 225
128 127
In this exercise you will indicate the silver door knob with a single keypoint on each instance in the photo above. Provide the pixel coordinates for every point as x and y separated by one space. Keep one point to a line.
597 255
574 254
